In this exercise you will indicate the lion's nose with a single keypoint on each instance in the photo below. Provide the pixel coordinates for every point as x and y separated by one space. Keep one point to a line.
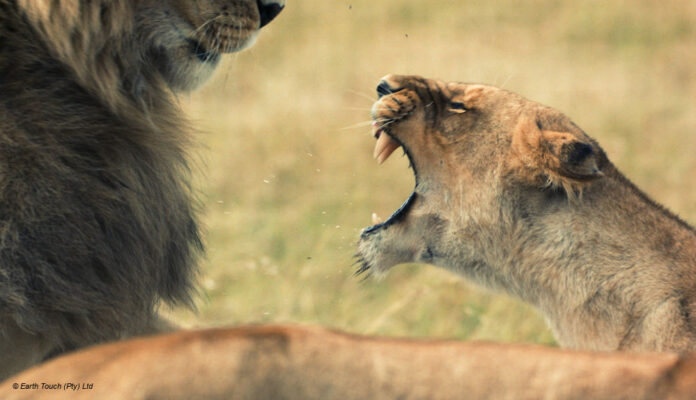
269 10
384 89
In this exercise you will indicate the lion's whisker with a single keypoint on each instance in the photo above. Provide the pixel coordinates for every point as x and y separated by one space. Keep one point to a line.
207 23
204 25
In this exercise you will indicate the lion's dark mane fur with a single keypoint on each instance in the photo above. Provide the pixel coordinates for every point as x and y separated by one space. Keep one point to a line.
97 216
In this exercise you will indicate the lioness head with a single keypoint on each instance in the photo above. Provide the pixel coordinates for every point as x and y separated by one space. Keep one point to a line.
483 158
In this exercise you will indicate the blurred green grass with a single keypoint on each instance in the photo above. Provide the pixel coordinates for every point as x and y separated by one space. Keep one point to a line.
288 181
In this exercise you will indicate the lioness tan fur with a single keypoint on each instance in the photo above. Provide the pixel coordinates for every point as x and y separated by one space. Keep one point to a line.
514 196
98 222
301 363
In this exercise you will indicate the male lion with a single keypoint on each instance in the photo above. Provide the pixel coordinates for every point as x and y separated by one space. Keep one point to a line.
306 363
514 196
97 217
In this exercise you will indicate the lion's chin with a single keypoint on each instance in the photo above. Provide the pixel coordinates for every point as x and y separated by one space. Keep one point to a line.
222 39
202 53
206 52
244 42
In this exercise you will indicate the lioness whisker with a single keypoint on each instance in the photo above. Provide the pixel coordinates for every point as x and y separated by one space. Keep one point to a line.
358 125
370 98
508 79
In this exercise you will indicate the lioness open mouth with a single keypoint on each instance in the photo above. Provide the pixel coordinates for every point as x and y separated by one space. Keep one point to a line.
384 147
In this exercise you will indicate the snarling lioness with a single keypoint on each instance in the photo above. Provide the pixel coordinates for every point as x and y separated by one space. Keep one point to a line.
514 196
97 218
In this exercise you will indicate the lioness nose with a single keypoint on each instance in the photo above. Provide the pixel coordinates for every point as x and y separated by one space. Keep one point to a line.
269 10
384 89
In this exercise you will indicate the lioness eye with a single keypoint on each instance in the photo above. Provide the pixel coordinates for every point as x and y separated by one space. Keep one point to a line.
457 107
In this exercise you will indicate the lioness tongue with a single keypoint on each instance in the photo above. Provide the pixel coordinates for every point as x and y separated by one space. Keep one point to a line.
384 147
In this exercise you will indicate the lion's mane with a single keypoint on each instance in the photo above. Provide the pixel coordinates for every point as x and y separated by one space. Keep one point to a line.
97 216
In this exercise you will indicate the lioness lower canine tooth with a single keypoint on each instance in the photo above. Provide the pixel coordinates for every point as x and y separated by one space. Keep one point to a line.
376 219
384 147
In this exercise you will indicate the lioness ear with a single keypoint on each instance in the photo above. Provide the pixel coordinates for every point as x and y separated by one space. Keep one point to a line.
570 157
563 157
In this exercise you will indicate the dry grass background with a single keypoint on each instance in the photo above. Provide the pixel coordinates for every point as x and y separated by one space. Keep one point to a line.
288 180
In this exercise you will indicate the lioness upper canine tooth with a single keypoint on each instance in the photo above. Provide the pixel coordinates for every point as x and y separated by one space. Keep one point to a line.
376 131
384 147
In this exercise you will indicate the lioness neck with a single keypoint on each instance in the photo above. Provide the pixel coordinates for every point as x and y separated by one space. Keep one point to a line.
612 271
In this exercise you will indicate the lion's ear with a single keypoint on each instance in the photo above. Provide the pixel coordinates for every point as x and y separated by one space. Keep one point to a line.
563 157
